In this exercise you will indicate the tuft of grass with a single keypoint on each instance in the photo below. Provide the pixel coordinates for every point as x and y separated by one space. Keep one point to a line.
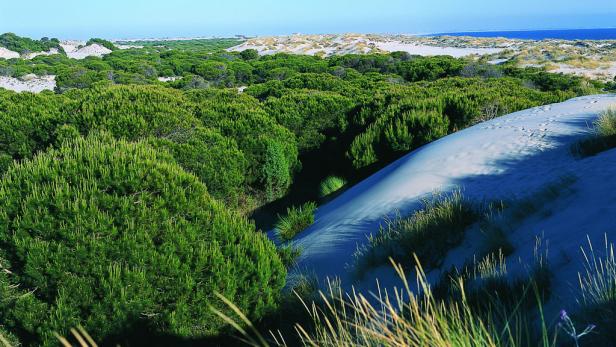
603 139
406 318
331 185
598 292
429 233
296 220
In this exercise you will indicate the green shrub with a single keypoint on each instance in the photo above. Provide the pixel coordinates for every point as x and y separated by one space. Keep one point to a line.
213 158
429 233
108 235
331 184
296 220
276 176
24 45
105 43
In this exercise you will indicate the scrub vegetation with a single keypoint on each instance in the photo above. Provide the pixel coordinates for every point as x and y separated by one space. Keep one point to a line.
128 196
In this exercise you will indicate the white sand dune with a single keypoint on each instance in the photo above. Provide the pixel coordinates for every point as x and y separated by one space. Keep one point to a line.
507 157
328 45
8 54
425 50
78 49
170 78
36 54
93 50
28 83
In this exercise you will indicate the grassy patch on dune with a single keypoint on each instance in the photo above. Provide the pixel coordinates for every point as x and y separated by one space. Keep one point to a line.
296 220
604 136
331 185
480 306
429 233
598 292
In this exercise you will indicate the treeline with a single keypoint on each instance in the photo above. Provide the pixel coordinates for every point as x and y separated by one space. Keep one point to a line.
24 45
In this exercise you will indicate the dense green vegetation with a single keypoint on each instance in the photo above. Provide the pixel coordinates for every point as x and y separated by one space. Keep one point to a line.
123 199
106 234
211 45
23 45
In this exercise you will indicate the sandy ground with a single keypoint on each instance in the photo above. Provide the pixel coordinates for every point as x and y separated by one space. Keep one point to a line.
8 54
76 50
425 50
36 54
328 45
602 73
28 83
169 79
508 157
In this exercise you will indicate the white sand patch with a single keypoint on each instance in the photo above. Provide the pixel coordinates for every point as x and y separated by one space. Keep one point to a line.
36 54
78 49
602 73
8 54
93 50
127 46
328 45
504 158
424 50
28 83
169 79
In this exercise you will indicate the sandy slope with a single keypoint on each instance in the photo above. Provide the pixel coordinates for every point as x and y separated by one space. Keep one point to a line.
28 83
8 54
328 45
511 156
74 50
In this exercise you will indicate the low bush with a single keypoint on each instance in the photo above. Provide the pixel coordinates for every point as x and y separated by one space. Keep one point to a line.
296 220
331 185
110 235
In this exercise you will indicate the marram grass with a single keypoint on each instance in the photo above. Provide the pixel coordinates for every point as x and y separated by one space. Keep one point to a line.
331 185
296 220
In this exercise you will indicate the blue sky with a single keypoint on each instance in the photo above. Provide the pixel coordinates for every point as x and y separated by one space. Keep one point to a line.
171 18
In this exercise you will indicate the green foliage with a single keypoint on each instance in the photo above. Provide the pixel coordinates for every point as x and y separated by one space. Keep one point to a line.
396 133
269 148
108 234
311 115
429 233
215 159
331 185
24 45
288 255
276 177
102 42
249 54
193 45
296 220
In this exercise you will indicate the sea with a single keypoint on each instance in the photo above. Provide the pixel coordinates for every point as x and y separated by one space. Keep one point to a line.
562 34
